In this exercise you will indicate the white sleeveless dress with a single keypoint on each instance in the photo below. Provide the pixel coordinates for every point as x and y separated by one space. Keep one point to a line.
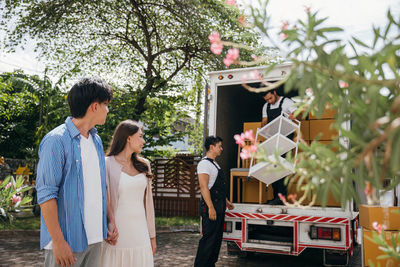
133 247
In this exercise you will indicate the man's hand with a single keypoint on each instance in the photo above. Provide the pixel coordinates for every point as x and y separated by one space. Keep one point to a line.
212 214
63 253
229 205
112 234
153 245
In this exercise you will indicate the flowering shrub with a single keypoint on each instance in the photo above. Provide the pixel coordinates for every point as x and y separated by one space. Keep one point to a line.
358 79
12 197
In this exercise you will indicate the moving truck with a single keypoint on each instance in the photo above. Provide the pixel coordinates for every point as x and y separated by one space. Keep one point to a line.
253 226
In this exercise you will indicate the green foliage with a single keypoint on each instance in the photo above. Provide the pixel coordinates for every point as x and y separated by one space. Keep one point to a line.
29 108
177 221
12 197
145 44
23 223
152 49
359 80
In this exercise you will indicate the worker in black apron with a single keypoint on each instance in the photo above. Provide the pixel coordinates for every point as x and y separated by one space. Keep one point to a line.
212 205
271 98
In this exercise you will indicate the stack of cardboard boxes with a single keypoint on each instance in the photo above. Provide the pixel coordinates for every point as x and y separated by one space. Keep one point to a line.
311 128
388 216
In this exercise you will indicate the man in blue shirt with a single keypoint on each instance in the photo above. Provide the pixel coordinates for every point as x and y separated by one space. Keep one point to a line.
71 181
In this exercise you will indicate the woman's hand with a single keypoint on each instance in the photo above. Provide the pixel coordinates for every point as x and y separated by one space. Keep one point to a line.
153 245
112 234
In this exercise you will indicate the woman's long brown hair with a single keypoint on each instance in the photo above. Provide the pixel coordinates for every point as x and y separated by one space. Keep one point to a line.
122 132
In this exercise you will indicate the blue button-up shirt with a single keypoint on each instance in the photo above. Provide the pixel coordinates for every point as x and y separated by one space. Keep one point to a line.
60 176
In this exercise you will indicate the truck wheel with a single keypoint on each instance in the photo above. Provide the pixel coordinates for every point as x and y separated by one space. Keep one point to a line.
336 257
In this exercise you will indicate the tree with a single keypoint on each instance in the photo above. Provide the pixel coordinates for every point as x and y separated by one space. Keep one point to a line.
29 108
145 43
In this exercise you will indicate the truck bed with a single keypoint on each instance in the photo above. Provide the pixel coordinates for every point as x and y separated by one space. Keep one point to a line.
281 209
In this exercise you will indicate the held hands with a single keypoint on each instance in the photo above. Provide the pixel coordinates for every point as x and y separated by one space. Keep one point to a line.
153 245
112 234
212 214
63 253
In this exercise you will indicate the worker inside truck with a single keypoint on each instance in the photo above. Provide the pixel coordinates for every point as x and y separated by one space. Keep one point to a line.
273 108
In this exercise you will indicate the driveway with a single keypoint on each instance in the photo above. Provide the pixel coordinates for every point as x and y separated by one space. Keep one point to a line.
174 249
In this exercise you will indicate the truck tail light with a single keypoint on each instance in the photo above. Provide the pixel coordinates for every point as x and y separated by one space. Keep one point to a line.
228 227
326 233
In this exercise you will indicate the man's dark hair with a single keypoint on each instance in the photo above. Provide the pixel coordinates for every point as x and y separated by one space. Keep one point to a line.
272 91
85 92
211 140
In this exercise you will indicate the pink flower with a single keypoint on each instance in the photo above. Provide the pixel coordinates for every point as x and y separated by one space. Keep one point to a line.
245 154
231 56
282 197
249 135
242 20
307 8
15 199
256 75
309 92
254 57
214 37
216 48
233 53
285 25
343 84
239 139
230 2
253 148
378 227
227 62
292 197
8 185
244 78
368 190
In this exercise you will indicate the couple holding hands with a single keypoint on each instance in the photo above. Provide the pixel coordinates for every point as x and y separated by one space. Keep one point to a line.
87 198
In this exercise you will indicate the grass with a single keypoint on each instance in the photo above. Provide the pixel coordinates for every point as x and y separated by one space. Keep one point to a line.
27 223
33 223
177 221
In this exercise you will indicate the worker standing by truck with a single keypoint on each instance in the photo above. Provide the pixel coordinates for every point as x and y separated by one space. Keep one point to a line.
273 108
212 204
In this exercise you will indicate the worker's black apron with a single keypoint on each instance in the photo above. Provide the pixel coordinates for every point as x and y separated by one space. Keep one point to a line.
210 242
278 186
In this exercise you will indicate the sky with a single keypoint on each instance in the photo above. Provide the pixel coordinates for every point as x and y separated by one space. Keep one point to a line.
356 17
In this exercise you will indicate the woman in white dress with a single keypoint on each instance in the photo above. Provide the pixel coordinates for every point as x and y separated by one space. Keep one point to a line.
129 200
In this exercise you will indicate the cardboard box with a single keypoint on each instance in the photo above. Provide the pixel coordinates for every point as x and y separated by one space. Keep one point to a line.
331 201
382 215
305 130
371 250
323 127
328 114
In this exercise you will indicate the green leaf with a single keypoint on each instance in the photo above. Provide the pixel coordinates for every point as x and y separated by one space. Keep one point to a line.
331 29
360 42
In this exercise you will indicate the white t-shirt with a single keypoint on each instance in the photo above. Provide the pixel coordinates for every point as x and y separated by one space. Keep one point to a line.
92 191
93 205
287 106
205 166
